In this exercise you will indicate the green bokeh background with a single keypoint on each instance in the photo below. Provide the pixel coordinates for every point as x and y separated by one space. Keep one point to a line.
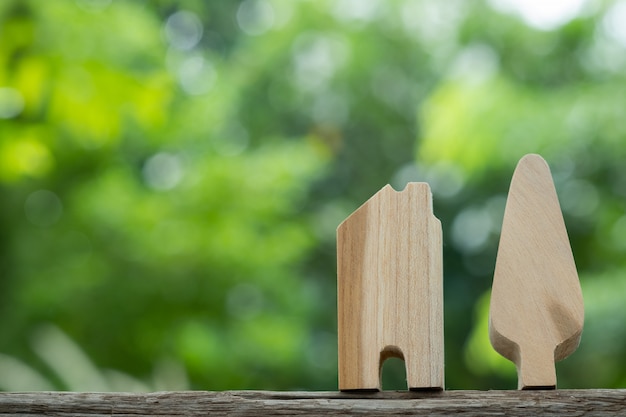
172 174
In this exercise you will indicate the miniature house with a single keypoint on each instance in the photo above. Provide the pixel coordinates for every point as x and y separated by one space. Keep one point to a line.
390 290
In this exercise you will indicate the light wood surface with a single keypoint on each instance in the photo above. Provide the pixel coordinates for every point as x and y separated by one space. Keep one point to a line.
536 312
390 290
265 403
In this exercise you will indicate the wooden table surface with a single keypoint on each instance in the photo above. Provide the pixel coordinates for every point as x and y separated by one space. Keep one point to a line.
595 402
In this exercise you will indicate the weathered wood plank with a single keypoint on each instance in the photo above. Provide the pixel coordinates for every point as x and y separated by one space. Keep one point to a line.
596 402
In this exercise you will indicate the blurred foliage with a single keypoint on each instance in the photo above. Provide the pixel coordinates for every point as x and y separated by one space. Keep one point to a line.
172 174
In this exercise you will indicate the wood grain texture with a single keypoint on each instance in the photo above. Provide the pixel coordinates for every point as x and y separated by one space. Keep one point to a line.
390 290
264 403
536 312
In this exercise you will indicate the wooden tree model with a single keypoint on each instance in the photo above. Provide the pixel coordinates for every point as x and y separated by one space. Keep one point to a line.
536 313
